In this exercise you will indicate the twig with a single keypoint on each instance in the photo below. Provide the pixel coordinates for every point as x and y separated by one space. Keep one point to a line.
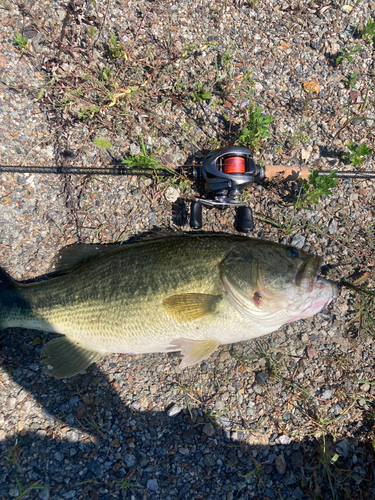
143 19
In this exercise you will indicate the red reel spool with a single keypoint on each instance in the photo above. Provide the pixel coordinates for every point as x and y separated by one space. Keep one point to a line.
234 165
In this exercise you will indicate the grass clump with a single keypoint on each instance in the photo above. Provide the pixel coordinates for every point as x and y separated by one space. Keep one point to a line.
256 129
315 187
21 42
347 54
357 154
368 31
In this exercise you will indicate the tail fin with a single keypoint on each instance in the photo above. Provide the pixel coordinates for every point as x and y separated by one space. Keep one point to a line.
6 282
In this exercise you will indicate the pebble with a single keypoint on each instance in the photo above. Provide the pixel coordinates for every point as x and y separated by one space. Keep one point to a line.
280 464
130 459
44 494
11 403
343 448
171 194
327 393
333 227
152 485
209 429
262 378
175 410
298 241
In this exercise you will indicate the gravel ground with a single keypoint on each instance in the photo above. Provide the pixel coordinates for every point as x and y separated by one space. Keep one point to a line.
290 416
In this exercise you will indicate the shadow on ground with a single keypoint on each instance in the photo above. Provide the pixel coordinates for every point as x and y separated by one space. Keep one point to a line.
91 442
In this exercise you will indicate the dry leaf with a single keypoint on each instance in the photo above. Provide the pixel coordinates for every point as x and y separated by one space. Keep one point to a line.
312 86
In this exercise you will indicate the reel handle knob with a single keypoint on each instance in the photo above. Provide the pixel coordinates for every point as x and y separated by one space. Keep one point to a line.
196 215
245 220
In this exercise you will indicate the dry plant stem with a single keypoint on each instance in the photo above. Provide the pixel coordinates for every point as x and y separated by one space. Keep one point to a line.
208 118
39 144
56 39
83 145
143 19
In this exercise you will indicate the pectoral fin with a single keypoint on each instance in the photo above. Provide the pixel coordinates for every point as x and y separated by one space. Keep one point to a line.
194 351
190 306
65 358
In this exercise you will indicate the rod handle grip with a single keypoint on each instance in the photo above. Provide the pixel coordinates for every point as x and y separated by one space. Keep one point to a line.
286 172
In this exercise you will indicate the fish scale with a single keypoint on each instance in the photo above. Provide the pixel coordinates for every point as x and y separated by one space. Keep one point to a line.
189 293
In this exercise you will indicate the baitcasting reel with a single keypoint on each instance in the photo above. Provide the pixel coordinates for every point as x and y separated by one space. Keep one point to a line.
228 171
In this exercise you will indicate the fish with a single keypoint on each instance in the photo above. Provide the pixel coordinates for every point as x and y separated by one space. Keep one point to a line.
190 293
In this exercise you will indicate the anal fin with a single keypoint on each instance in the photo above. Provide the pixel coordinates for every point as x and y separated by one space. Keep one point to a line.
194 351
67 358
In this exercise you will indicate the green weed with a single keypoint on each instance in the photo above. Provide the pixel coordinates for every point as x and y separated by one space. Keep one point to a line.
357 154
200 93
145 160
125 484
24 492
21 42
89 112
315 187
368 31
347 54
116 49
257 128
351 81
14 454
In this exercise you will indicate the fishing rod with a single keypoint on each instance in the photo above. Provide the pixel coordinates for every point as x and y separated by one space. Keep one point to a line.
227 172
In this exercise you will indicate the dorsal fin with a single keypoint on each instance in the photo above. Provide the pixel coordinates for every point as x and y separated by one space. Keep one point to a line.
70 257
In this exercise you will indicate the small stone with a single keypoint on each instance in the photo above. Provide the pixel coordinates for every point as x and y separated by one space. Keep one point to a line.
152 485
332 227
175 410
134 149
224 355
261 378
280 464
343 448
365 387
327 393
172 194
314 45
73 401
11 403
297 493
44 494
305 154
284 439
58 456
298 241
209 460
244 102
311 352
209 429
219 405
130 460
14 492
347 8
72 437
297 458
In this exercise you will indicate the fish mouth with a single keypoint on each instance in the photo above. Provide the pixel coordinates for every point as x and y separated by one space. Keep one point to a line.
307 274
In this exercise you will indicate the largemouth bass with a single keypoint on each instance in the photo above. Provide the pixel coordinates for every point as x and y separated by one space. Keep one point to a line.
188 293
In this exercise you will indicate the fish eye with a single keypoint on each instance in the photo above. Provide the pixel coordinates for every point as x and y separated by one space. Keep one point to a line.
292 252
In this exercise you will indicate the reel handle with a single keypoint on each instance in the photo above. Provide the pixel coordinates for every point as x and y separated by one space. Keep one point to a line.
195 214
